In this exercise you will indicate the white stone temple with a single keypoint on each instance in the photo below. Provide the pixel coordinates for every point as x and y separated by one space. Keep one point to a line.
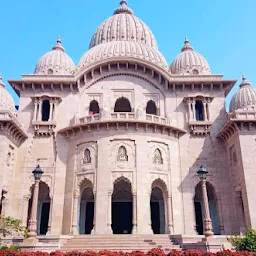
120 138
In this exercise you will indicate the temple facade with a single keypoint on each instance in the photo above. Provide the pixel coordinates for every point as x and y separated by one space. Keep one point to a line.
120 138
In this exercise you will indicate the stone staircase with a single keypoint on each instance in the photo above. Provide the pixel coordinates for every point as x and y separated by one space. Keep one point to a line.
125 243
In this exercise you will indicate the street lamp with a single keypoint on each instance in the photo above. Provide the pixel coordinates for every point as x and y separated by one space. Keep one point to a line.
202 173
32 225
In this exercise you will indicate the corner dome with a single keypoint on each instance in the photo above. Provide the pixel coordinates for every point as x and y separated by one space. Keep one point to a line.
55 62
123 26
6 100
244 98
189 62
122 50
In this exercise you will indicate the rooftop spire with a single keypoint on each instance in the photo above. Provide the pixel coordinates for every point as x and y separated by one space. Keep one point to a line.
186 45
244 81
58 46
1 81
123 8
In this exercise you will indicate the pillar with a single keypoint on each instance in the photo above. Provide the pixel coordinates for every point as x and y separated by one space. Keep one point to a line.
205 113
194 110
75 214
220 214
94 215
32 226
82 217
25 210
134 214
240 213
35 110
109 223
50 217
207 219
4 206
190 113
51 110
208 109
169 214
39 116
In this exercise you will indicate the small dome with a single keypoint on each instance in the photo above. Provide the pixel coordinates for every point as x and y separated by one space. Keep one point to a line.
189 62
123 26
244 98
55 62
6 100
122 50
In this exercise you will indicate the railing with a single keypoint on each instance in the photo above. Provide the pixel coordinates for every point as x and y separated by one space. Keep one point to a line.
129 116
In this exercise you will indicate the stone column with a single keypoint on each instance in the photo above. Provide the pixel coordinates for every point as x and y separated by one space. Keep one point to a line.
220 215
51 110
82 216
240 213
109 223
75 206
190 113
169 213
39 116
4 206
54 115
35 110
32 225
134 214
94 215
25 210
205 113
207 219
208 109
50 217
194 109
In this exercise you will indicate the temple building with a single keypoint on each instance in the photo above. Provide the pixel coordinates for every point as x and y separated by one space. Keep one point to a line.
120 138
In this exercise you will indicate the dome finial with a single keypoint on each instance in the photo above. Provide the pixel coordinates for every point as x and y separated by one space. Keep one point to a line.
58 46
244 81
123 8
186 45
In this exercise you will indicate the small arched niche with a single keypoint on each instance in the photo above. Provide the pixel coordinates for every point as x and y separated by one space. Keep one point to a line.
45 110
122 105
199 110
151 108
94 107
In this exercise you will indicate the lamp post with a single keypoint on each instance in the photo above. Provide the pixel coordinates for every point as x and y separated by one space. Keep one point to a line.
32 225
202 173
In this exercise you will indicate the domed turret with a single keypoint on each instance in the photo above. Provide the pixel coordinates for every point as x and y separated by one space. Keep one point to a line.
6 100
244 98
189 62
55 62
123 26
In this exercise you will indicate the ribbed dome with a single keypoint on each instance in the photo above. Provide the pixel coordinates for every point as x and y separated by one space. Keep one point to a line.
189 62
244 98
55 62
6 100
123 50
123 26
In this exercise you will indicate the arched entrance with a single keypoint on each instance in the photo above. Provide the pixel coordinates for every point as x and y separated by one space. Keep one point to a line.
122 105
43 210
158 207
86 213
122 207
199 208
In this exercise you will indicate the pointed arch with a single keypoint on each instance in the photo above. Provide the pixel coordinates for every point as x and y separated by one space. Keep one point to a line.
122 154
158 158
151 108
87 156
94 107
122 105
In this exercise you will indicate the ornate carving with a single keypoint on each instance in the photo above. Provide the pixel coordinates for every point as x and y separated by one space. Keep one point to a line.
157 157
122 154
87 157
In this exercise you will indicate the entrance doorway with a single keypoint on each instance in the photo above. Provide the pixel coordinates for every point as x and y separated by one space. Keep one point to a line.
86 211
122 206
157 210
199 209
44 218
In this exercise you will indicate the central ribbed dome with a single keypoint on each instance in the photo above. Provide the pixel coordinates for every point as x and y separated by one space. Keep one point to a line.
123 26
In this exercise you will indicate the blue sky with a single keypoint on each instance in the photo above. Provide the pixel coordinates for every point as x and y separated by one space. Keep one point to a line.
223 31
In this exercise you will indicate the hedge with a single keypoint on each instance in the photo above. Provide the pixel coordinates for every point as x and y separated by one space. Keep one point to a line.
153 252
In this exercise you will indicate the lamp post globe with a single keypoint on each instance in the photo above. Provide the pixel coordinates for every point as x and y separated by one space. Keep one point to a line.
202 173
38 173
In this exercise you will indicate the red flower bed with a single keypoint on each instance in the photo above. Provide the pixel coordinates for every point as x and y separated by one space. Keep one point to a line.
153 252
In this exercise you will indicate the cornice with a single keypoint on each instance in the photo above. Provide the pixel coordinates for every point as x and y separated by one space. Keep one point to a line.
11 128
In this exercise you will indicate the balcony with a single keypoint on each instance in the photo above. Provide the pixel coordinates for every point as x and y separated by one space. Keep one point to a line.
119 120
44 128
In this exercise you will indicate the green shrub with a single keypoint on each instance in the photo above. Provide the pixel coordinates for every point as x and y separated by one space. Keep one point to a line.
247 243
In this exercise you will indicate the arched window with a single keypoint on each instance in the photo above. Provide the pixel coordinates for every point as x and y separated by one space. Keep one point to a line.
123 105
45 110
158 159
122 154
87 156
94 107
151 108
199 110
